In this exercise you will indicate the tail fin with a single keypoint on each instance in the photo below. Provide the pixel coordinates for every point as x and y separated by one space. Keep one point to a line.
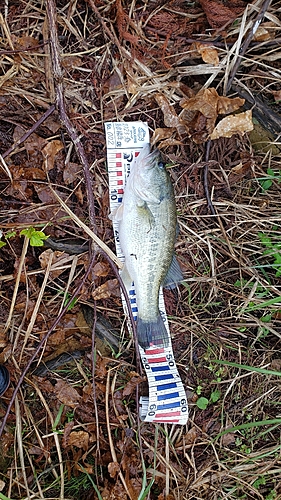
152 333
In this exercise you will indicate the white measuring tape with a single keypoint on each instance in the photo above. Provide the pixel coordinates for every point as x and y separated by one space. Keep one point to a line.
167 399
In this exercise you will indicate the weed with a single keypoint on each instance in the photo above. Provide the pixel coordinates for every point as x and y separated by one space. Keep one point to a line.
266 182
273 250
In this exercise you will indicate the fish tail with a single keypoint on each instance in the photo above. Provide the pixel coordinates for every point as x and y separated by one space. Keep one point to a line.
152 333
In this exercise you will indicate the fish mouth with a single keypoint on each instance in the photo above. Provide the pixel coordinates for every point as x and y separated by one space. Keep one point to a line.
153 158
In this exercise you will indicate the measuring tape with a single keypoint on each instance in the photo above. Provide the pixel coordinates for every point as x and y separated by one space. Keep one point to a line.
167 399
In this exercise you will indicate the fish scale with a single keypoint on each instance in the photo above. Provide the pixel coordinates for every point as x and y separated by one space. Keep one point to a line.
167 399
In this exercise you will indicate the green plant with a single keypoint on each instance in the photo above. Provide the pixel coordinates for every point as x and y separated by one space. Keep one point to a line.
273 250
203 402
266 182
36 238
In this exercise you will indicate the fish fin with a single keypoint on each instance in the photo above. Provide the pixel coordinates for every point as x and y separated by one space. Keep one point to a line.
142 192
174 275
152 333
126 278
117 213
146 214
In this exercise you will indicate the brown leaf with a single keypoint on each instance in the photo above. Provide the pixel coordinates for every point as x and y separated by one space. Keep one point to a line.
162 133
113 469
109 288
79 439
171 119
49 152
71 172
66 394
135 380
191 435
101 269
209 54
233 124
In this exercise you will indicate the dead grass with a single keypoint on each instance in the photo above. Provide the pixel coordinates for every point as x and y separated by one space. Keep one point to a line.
61 440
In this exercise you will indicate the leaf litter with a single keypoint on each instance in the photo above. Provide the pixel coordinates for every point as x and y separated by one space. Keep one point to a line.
168 64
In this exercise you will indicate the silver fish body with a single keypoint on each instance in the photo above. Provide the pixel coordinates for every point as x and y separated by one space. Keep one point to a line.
147 232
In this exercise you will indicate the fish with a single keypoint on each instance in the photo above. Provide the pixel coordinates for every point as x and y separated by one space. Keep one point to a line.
147 224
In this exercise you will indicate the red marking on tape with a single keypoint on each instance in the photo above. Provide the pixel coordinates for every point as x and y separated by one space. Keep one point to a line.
154 351
137 153
119 183
157 360
118 155
120 191
119 173
118 164
170 421
169 414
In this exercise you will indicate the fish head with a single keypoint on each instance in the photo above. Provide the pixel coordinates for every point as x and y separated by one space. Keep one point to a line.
149 178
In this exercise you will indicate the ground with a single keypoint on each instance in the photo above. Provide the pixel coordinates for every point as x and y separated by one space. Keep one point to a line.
182 67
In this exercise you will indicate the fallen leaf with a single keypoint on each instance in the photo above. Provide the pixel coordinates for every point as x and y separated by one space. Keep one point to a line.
191 435
208 53
70 172
228 439
79 439
233 124
109 288
113 469
135 380
66 394
49 152
171 119
101 269
160 134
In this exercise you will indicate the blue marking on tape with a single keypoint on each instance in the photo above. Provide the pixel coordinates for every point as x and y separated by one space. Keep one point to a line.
160 368
168 396
135 309
132 292
164 387
120 200
176 404
133 301
158 378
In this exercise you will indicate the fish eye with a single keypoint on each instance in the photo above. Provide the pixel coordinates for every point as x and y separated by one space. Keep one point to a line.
161 165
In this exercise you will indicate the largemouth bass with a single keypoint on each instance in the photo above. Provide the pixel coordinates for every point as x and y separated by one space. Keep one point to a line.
147 231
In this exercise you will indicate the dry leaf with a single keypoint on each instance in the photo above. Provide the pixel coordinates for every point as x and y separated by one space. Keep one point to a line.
106 290
113 469
209 54
276 95
49 152
66 394
135 379
70 172
233 124
101 269
171 119
79 439
160 134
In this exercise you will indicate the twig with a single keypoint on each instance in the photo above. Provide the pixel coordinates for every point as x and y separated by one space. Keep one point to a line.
30 131
58 76
205 182
40 345
247 42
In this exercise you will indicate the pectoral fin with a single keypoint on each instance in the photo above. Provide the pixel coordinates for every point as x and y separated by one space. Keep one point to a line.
145 215
174 275
117 213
